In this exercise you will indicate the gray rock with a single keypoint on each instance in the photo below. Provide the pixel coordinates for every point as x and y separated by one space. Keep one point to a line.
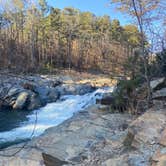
158 83
106 100
53 95
48 94
95 138
87 139
34 102
85 88
14 91
160 94
159 158
143 135
52 161
42 92
146 130
73 89
21 100
159 104
137 160
115 162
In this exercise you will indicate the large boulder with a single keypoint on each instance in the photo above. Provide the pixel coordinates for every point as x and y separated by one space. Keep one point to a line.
85 88
8 95
159 104
89 133
143 136
52 161
14 91
28 86
53 95
74 89
34 102
146 130
47 94
42 92
158 83
160 94
21 100
107 100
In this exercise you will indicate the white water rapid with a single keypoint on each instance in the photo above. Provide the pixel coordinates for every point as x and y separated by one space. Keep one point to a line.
52 115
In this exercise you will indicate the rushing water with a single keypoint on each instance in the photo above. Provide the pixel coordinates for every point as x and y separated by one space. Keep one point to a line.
17 126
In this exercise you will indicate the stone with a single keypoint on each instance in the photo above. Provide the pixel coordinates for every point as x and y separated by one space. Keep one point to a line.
74 89
163 138
159 104
52 161
108 100
160 94
56 83
85 88
28 86
21 101
34 102
42 92
28 157
53 95
159 158
84 139
137 159
146 130
14 91
158 83
115 162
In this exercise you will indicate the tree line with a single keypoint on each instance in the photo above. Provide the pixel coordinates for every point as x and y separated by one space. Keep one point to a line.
35 36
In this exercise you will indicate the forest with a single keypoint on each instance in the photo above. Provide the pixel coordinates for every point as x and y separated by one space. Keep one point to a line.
37 37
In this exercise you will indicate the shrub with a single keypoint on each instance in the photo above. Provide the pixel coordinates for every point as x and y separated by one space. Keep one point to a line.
125 94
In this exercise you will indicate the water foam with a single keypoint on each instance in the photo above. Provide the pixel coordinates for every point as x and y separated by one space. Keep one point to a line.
52 115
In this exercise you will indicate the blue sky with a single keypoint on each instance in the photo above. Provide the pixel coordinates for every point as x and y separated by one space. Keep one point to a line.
98 7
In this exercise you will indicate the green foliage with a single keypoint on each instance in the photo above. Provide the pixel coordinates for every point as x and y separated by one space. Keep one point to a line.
116 30
158 65
125 92
132 35
161 58
132 66
127 86
43 6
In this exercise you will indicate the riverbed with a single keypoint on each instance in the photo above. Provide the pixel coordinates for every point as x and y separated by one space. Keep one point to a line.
18 126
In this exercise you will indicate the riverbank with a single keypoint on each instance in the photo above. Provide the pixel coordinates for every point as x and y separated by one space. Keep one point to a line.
74 140
21 92
32 124
94 137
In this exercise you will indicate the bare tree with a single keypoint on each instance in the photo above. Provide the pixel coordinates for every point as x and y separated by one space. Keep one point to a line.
145 12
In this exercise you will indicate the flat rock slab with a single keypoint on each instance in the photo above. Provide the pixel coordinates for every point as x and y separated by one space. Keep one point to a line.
145 135
147 129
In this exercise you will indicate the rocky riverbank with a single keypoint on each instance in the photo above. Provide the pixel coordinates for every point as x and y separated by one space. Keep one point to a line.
19 92
96 137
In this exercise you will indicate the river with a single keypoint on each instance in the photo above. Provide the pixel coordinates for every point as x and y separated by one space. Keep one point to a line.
18 126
